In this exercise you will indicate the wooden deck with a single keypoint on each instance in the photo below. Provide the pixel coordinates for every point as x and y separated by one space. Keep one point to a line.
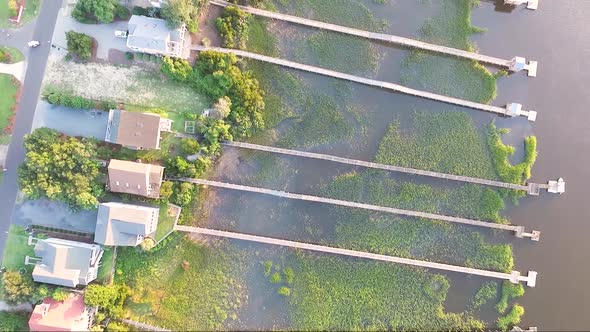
517 230
504 111
514 276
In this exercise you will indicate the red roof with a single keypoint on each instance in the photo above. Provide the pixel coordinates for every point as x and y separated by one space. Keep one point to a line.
54 315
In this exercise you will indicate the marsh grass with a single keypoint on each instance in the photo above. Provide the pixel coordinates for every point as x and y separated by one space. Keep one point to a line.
200 295
334 293
445 142
455 77
500 153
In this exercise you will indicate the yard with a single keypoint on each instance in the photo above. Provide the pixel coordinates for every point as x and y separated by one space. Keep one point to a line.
8 90
138 88
31 10
14 54
167 220
16 248
106 265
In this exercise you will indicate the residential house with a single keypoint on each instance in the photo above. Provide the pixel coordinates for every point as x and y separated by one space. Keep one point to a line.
152 35
135 178
63 262
136 130
121 224
68 315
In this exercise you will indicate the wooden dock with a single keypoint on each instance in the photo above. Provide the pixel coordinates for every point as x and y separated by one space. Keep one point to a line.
517 230
511 110
515 64
530 188
514 276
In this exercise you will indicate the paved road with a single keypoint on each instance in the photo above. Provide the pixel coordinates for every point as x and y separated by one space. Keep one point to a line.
37 61
72 122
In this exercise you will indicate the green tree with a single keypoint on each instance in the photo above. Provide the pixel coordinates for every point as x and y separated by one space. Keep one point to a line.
79 44
62 169
178 12
166 190
184 194
117 327
10 321
41 292
60 294
233 27
103 11
18 288
109 298
176 69
189 146
222 108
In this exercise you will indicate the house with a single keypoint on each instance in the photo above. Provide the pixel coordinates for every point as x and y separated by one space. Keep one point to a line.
136 130
121 224
152 35
68 315
63 262
135 178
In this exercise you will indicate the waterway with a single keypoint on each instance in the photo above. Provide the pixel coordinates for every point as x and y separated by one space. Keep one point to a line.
556 36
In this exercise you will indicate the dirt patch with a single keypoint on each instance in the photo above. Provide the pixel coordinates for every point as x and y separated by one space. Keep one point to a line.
207 27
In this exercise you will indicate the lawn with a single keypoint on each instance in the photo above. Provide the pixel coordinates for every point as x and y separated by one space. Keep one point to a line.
16 248
15 55
183 285
167 220
105 271
30 12
8 90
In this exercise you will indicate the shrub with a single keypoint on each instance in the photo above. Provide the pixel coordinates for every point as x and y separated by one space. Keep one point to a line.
79 44
233 27
275 278
288 272
60 294
285 291
176 69
189 146
13 8
152 58
122 12
93 11
512 318
182 11
129 56
206 42
139 11
5 56
17 287
166 190
10 321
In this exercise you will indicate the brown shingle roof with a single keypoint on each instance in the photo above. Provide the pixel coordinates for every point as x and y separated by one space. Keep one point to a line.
140 130
135 178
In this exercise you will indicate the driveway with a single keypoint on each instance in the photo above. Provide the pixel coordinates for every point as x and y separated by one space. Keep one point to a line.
53 214
15 69
72 122
103 33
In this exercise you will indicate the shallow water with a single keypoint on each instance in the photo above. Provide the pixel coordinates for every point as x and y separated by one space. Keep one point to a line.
554 35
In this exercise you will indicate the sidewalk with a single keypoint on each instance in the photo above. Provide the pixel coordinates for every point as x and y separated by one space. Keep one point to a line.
15 69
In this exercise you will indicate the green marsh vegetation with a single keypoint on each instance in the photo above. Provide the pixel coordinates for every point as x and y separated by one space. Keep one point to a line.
501 152
509 291
183 285
511 319
485 293
432 72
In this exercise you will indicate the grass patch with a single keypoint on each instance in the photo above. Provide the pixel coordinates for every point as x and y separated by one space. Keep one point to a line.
509 291
8 90
259 39
15 54
334 293
17 248
105 271
455 77
513 318
501 152
445 142
31 10
339 52
166 221
182 286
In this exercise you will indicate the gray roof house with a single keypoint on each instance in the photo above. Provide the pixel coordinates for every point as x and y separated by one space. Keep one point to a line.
121 224
153 36
65 263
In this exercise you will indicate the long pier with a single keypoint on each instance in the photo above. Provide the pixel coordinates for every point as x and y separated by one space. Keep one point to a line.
515 64
530 188
514 276
517 230
511 110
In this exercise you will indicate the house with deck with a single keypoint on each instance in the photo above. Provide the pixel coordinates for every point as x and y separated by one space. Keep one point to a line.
120 224
135 130
152 35
64 262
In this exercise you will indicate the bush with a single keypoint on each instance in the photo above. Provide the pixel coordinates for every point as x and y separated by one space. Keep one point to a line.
139 11
189 146
79 44
233 27
129 56
512 318
285 291
152 58
13 8
58 98
60 294
275 278
93 11
206 42
166 190
10 321
5 56
122 12
176 69
18 288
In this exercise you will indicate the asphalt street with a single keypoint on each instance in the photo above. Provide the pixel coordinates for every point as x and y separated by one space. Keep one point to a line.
36 63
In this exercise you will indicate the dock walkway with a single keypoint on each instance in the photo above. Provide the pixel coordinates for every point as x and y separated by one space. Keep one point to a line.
511 110
514 276
517 230
515 64
530 188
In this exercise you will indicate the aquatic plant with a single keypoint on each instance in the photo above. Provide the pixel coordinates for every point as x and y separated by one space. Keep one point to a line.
501 152
511 319
509 291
